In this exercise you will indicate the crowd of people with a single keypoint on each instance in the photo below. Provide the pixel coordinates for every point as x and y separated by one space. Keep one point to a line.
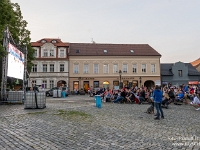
157 96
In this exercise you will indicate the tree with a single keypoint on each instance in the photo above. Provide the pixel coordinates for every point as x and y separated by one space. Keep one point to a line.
11 16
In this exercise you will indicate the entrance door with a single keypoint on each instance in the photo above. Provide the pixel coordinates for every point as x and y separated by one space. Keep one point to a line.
86 86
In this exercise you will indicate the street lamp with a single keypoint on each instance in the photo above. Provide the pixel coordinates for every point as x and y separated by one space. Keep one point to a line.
79 78
120 78
140 81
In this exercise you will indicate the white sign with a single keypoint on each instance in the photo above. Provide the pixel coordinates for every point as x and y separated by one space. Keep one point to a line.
15 63
157 82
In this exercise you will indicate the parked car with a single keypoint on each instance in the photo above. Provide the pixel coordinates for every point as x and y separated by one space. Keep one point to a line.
35 88
50 92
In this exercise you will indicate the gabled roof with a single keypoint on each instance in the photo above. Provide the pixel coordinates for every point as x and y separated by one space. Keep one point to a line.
196 62
49 40
94 49
166 69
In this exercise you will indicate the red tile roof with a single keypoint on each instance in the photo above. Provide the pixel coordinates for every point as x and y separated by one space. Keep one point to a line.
196 62
49 40
91 49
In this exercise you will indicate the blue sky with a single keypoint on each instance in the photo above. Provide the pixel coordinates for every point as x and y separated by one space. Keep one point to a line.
172 27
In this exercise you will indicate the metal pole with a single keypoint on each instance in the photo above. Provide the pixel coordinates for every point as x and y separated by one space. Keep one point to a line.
25 71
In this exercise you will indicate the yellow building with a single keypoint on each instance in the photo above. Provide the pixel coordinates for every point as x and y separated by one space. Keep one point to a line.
99 65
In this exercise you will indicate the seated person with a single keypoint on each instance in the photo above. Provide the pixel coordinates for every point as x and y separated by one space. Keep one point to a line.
141 95
130 96
165 101
121 96
196 102
107 94
180 95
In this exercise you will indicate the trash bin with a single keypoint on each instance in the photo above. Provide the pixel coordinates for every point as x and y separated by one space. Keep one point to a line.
56 93
98 101
63 94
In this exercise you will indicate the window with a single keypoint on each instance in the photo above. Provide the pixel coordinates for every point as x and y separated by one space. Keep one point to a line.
180 73
77 51
34 82
43 41
153 68
51 67
44 82
115 68
86 68
45 53
62 53
96 68
105 68
54 41
51 52
35 53
62 68
134 68
76 68
44 67
96 84
125 68
34 68
143 68
51 84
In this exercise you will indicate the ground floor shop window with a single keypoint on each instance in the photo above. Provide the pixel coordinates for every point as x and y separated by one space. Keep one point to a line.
115 83
135 83
86 85
76 85
125 83
96 84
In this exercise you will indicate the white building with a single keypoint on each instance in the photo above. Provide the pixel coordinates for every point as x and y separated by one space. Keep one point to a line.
50 68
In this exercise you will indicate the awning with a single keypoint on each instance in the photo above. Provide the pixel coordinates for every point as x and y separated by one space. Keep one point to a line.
193 82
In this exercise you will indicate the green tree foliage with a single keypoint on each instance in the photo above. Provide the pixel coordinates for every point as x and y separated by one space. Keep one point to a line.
11 16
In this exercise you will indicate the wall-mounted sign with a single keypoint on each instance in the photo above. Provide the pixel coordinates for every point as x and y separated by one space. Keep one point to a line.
87 78
126 78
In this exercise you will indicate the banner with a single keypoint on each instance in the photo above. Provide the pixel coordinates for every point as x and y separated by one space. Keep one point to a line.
15 62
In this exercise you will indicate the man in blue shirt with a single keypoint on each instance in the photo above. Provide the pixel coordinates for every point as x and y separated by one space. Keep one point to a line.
157 102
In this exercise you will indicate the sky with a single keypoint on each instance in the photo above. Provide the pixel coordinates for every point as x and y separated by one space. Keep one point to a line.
171 27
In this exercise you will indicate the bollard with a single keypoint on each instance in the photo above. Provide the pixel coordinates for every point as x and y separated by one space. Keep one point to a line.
98 101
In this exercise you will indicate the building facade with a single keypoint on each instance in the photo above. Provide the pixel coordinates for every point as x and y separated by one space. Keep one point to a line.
179 73
99 65
50 67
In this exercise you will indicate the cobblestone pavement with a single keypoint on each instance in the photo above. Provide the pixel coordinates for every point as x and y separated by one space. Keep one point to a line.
75 123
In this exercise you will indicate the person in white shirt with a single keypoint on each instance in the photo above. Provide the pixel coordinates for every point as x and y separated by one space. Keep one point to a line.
196 102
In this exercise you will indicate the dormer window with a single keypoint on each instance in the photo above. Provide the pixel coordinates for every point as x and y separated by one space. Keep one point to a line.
43 41
77 51
105 51
54 41
132 51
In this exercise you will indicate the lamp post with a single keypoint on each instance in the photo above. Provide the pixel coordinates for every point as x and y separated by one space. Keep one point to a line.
140 81
79 78
120 78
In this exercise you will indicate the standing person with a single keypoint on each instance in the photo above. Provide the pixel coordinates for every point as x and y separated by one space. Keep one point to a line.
158 101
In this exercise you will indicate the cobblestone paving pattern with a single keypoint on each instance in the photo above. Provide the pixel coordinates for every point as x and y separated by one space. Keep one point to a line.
114 126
